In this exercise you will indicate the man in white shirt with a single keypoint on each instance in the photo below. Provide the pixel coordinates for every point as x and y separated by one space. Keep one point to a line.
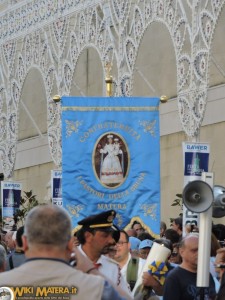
131 267
96 235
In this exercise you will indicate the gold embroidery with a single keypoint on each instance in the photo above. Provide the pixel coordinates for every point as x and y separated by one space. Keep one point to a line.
72 126
108 108
149 210
149 126
75 209
119 219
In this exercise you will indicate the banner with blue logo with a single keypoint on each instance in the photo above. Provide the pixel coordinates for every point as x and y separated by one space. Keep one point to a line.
196 158
56 187
10 203
111 159
196 161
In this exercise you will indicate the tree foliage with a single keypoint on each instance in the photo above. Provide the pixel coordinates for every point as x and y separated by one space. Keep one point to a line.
27 202
178 201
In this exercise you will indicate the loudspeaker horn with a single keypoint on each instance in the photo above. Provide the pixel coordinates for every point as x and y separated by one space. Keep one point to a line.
198 196
219 201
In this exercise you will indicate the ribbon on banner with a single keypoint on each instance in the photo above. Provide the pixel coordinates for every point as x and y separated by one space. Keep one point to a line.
111 159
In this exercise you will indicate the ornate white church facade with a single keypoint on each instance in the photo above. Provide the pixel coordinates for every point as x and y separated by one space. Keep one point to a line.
155 47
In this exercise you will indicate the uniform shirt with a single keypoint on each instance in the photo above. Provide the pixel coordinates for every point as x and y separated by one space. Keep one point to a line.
110 269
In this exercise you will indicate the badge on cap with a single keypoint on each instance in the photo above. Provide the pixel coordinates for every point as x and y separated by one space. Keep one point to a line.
110 218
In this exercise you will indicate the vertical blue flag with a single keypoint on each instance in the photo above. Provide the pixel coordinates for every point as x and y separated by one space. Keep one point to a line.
111 159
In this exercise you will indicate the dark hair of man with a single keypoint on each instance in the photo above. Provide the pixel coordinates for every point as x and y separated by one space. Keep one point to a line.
178 221
145 236
134 223
219 231
126 235
19 234
81 234
172 235
163 225
48 225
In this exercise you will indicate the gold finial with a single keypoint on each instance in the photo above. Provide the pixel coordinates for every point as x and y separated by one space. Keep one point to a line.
108 79
163 99
56 98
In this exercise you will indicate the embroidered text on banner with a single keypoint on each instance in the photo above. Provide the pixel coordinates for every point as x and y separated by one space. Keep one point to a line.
111 159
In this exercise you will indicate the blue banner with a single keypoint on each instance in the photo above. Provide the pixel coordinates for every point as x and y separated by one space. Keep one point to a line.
111 159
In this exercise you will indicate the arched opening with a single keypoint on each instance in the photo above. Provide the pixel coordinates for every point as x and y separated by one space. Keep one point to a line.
88 76
155 68
33 108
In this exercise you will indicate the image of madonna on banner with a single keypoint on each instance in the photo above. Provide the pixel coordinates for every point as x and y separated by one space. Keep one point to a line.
111 166
111 159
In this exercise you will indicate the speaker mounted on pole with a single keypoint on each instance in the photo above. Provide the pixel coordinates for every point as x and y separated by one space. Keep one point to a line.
198 196
219 201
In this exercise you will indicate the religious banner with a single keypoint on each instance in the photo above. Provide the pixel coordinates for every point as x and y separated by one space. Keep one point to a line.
196 161
56 187
10 201
111 159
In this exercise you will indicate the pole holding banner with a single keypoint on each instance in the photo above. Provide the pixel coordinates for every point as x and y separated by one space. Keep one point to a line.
163 99
56 98
108 80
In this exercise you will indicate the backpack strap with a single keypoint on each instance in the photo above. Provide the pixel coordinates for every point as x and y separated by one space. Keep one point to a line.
132 272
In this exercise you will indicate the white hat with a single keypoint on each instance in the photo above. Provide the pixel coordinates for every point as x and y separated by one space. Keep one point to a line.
110 136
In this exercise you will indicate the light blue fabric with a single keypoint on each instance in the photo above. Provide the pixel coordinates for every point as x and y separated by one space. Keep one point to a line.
134 243
145 243
132 168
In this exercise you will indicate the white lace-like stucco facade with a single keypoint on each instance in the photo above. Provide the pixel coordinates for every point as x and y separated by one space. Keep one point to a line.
50 36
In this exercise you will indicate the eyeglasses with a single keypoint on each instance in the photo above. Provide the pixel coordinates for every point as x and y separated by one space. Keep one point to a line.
121 243
220 266
173 254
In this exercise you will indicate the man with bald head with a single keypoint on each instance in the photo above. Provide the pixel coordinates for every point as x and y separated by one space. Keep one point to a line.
181 281
48 246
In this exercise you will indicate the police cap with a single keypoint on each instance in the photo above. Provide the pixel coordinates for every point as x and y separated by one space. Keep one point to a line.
102 221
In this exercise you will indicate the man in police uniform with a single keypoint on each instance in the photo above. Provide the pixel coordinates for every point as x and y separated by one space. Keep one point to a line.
96 235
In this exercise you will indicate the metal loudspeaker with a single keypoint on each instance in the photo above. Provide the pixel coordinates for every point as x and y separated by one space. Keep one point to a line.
198 196
219 201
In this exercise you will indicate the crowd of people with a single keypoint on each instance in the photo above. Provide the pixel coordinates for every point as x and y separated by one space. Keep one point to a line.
102 261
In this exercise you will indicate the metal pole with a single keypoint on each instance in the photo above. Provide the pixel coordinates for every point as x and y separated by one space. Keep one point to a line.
108 80
204 244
